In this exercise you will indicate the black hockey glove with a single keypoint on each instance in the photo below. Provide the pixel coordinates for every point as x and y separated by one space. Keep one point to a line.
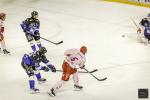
37 34
82 67
24 31
53 69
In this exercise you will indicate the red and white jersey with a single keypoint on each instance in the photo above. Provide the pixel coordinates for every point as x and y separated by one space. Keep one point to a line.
75 58
1 25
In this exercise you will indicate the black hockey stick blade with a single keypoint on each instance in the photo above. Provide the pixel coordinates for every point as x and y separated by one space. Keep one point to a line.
103 79
59 43
56 43
95 76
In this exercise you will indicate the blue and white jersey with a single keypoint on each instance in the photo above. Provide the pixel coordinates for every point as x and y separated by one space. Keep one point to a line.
145 22
147 31
31 25
29 61
34 59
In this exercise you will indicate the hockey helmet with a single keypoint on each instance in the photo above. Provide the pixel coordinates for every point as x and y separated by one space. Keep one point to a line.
83 49
34 13
2 15
42 50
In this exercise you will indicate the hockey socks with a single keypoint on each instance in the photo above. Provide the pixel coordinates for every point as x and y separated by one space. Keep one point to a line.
39 45
32 84
38 76
32 87
33 47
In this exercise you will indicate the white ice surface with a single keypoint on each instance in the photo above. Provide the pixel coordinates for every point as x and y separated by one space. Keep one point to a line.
96 24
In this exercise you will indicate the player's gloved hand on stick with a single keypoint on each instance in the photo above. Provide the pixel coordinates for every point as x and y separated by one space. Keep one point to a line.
139 31
52 67
37 34
82 67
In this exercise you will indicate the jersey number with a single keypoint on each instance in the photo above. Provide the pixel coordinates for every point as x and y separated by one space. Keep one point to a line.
74 58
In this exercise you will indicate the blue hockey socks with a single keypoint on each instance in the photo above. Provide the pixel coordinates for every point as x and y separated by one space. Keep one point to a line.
38 76
39 45
32 84
33 47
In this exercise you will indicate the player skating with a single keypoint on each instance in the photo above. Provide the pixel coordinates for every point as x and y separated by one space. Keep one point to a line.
2 42
31 29
74 59
144 30
31 64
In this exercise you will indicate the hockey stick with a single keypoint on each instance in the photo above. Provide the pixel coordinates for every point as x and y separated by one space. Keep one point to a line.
95 76
134 23
56 43
82 71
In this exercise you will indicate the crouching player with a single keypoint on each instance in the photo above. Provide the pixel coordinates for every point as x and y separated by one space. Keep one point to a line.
31 64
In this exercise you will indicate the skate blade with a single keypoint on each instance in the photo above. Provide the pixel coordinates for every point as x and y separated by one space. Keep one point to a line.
34 92
41 82
77 89
50 94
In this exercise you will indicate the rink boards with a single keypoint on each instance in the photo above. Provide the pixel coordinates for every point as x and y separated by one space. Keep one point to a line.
143 3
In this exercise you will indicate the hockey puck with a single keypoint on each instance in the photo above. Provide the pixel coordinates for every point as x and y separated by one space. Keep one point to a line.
123 35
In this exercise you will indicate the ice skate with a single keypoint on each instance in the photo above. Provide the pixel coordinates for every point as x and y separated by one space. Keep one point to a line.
6 52
34 91
42 80
78 87
51 93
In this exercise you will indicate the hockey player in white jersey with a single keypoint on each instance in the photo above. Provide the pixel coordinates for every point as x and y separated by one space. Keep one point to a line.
74 59
2 42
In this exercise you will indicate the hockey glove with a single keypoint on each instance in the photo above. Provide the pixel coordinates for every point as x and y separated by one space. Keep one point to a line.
24 31
36 33
82 67
53 69
139 31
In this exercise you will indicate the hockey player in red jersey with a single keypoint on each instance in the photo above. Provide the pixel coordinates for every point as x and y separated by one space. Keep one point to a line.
2 42
74 59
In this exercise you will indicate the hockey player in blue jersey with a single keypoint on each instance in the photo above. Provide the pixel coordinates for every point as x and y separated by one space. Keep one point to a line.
145 28
31 28
31 64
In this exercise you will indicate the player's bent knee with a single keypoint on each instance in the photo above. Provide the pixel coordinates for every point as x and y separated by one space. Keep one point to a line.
65 77
1 37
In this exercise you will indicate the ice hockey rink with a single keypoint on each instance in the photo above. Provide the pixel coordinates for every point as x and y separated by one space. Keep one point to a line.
99 25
